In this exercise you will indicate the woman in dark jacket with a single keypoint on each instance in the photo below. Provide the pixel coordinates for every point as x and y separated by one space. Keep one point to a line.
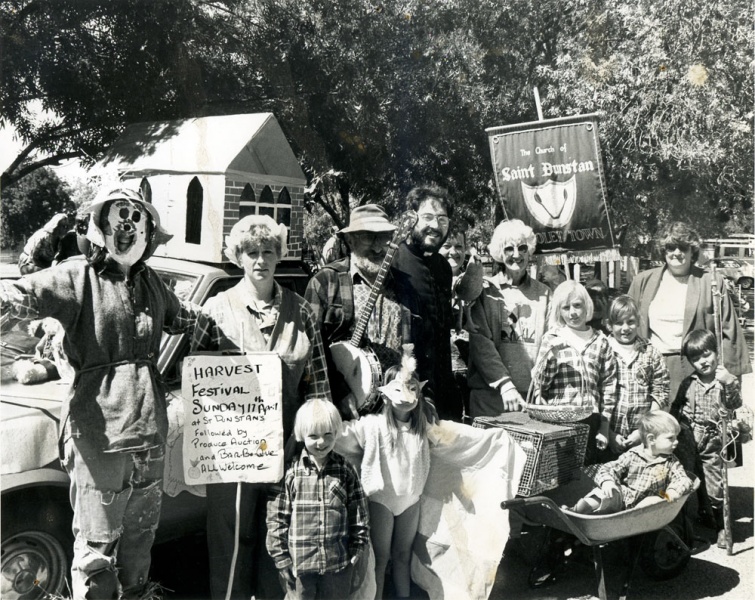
665 319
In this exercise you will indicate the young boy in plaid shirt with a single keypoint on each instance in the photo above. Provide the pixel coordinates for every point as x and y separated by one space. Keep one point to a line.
701 399
642 472
643 382
318 522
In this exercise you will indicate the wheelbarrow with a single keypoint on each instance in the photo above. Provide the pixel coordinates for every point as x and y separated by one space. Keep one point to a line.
654 540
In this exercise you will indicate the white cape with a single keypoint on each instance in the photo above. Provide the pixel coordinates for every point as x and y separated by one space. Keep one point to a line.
462 529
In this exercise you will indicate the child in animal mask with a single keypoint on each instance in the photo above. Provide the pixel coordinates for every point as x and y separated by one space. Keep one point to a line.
114 310
394 467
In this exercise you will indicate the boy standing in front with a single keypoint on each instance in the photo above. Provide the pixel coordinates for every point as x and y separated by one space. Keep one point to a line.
699 403
318 522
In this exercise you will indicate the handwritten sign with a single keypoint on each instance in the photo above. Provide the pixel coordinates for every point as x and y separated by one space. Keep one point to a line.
233 418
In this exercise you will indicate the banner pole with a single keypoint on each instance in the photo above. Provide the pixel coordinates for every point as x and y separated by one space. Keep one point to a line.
537 104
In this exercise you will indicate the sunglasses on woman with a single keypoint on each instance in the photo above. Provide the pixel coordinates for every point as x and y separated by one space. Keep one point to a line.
522 249
671 247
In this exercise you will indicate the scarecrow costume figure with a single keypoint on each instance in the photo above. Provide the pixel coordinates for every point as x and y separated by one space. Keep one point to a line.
114 309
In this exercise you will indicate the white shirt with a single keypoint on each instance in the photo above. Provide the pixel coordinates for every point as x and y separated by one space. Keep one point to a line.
666 314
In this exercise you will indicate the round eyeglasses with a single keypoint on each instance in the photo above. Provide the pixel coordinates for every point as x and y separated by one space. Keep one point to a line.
428 218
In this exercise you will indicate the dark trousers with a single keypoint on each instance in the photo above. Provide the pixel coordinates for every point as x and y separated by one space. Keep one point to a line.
328 586
255 573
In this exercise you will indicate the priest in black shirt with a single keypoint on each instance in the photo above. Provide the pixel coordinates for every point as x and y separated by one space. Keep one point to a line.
428 274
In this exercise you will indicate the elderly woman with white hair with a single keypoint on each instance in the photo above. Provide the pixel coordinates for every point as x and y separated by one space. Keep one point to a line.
508 321
257 315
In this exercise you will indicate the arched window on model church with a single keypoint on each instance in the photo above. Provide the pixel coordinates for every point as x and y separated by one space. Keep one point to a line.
266 204
247 202
194 202
283 209
279 209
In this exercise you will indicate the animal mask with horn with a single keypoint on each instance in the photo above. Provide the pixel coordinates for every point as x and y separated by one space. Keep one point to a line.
405 389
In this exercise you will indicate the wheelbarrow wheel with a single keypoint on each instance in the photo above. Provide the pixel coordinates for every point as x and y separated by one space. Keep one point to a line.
662 556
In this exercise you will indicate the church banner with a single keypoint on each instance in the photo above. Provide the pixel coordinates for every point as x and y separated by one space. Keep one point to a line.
233 418
549 174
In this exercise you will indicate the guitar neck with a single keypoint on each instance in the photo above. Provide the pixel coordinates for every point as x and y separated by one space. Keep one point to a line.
377 286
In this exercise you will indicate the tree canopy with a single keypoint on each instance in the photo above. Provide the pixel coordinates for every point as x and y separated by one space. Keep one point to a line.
42 191
376 97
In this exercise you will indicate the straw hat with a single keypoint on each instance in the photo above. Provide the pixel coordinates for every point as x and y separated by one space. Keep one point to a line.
369 217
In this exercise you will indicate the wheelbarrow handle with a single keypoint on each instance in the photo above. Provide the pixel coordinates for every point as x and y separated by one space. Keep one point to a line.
549 504
530 501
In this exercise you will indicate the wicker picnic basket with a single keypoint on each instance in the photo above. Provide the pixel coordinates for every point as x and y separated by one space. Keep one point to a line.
554 413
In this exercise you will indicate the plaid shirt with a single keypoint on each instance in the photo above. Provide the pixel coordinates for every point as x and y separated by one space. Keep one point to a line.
642 380
331 294
564 375
639 477
318 519
698 404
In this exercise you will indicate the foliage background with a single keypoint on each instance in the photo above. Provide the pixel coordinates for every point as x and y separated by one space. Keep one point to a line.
376 97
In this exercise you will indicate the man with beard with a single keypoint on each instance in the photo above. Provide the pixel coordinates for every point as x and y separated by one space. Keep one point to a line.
425 273
339 290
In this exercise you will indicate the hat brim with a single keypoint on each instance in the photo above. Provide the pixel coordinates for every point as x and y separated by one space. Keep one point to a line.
370 228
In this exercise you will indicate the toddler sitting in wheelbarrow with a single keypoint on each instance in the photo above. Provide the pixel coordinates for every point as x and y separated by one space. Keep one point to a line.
643 474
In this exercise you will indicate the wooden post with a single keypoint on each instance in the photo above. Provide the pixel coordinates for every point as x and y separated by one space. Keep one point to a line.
611 274
538 105
617 275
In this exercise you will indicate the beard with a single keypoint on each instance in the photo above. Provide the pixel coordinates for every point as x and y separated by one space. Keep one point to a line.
418 239
369 267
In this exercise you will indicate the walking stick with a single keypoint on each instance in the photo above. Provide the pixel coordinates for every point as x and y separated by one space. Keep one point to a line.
723 413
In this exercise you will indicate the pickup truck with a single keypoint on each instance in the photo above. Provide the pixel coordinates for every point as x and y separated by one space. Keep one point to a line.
37 541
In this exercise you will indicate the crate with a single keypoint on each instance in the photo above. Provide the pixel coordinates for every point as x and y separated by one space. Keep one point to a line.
555 451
